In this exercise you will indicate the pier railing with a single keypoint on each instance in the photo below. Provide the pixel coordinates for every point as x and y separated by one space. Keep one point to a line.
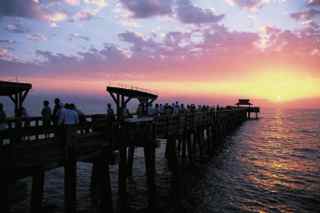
33 129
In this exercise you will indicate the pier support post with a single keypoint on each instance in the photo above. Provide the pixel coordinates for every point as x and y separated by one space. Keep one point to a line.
37 191
130 159
172 153
70 173
175 182
122 182
104 186
189 146
4 192
149 153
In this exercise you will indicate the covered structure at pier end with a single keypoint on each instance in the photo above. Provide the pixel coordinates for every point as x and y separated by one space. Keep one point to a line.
17 92
249 106
244 102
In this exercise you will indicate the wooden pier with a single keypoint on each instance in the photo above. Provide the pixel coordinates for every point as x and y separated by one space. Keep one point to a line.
30 149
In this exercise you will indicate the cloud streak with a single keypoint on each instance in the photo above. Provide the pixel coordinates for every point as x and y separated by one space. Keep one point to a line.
148 8
190 14
252 5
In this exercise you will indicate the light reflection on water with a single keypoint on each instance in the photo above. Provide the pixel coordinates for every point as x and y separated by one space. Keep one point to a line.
270 165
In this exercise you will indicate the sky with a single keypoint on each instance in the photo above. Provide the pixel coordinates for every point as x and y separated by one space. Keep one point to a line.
200 51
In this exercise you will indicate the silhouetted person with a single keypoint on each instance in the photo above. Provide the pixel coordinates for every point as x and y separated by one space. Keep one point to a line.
67 116
56 110
151 111
25 116
140 110
46 114
182 108
82 117
161 109
110 113
3 118
126 113
157 110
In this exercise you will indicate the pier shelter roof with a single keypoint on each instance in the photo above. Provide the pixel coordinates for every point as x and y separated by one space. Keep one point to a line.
8 88
16 91
244 102
122 96
132 93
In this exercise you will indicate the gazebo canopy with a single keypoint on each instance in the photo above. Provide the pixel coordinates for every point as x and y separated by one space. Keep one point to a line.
122 96
245 102
16 91
131 93
8 88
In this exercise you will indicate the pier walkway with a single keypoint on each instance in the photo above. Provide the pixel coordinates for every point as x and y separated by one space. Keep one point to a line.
30 149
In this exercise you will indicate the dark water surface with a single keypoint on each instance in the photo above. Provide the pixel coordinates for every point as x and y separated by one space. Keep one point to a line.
268 165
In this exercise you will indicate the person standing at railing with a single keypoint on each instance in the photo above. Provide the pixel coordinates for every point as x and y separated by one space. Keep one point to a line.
161 109
3 118
110 113
67 116
58 107
182 108
126 112
46 116
157 110
25 116
82 117
140 110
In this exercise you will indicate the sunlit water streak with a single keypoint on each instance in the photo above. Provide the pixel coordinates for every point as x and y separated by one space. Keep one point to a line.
268 165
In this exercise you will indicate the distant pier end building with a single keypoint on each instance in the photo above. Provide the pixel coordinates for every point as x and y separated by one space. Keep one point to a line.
245 103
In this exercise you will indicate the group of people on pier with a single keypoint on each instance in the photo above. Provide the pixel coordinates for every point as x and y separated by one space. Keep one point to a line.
66 113
69 114
174 108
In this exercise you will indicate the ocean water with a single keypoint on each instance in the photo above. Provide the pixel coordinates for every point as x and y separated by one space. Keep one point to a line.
266 165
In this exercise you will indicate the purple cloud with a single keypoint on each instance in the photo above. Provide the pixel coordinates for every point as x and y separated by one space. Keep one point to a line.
148 8
36 37
6 55
314 2
16 28
7 41
306 15
176 52
190 14
73 36
20 8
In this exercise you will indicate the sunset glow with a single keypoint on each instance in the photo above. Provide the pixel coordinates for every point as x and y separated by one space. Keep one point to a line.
262 50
